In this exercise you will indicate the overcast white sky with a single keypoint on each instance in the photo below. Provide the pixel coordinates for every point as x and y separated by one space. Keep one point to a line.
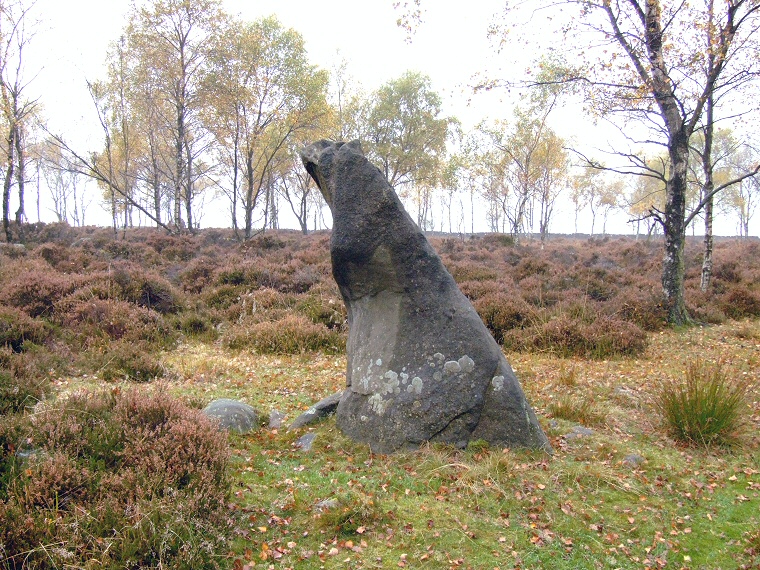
451 46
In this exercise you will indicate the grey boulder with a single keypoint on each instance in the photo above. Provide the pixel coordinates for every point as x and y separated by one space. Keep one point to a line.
233 415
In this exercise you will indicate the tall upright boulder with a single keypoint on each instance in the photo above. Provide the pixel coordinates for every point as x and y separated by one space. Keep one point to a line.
422 366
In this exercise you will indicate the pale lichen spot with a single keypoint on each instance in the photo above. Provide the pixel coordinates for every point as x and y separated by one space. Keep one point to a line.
377 404
452 367
391 386
497 383
467 364
364 418
437 376
439 357
415 386
379 362
404 377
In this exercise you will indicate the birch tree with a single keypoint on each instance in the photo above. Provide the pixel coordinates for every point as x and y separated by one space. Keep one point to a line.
650 63
17 107
264 92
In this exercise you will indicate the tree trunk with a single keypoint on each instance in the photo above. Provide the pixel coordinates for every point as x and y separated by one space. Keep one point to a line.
249 194
7 183
189 188
707 167
20 175
674 230
707 262
179 174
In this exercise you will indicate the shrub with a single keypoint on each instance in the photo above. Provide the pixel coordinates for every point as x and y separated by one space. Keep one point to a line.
502 312
19 392
17 327
198 275
36 289
293 334
727 271
739 302
323 311
530 266
197 325
222 297
610 337
707 408
119 480
472 271
123 360
568 336
145 289
641 306
117 320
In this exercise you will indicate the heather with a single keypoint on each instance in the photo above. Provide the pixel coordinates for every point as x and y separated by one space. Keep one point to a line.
108 347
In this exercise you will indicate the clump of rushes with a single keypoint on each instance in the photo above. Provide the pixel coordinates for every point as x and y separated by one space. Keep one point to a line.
707 408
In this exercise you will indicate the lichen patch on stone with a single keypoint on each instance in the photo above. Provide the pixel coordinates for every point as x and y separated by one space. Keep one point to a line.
452 367
497 383
415 386
467 364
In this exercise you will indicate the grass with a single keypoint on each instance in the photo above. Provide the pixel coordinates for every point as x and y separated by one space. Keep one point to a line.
707 408
339 506
584 507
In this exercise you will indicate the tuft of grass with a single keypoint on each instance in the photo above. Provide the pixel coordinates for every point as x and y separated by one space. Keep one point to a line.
708 408
575 409
352 512
568 376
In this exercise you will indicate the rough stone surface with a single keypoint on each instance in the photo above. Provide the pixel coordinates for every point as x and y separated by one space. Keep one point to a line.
421 364
320 410
578 432
633 460
325 505
233 415
276 418
305 442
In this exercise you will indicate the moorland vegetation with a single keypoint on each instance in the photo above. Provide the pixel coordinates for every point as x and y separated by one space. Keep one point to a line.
108 348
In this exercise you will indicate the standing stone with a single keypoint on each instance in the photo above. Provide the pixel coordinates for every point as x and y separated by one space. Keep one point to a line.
421 364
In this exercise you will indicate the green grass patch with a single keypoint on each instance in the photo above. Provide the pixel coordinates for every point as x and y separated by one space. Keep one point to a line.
708 407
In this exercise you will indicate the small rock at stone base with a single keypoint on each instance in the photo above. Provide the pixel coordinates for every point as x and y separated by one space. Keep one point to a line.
579 431
325 505
275 419
233 415
320 410
633 460
304 442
